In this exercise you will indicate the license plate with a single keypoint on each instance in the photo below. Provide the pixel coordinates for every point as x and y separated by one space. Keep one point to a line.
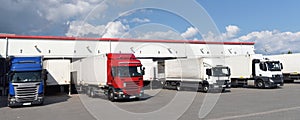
26 103
223 85
278 84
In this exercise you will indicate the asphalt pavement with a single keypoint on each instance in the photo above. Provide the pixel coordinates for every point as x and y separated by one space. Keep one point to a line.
166 104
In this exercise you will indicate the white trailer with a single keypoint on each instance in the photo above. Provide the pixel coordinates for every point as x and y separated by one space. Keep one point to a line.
151 73
58 74
291 66
150 69
200 73
254 70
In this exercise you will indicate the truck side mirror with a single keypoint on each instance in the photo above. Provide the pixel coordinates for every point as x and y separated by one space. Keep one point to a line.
281 66
44 74
229 72
208 72
143 71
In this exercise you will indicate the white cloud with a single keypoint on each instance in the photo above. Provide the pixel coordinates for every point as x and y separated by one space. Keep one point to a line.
230 34
82 29
273 42
190 33
110 30
231 31
43 17
61 10
266 42
136 20
139 20
156 35
115 29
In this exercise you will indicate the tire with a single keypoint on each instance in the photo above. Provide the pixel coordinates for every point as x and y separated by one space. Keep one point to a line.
92 93
111 95
223 90
42 103
178 88
137 99
205 88
80 90
260 84
165 85
87 91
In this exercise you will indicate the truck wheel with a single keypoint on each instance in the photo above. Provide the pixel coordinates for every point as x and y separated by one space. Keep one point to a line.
178 88
165 85
82 90
260 84
92 93
205 88
88 92
223 90
111 95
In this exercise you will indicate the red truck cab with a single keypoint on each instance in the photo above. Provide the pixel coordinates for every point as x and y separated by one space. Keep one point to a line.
124 76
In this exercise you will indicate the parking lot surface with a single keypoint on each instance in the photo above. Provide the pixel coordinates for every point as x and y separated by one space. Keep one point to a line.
237 104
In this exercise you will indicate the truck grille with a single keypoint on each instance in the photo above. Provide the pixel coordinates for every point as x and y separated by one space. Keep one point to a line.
132 87
222 82
277 79
26 94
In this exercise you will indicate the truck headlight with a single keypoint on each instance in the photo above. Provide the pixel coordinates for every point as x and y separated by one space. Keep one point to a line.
271 81
12 99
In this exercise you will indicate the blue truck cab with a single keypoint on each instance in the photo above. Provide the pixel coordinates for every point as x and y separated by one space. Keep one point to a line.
26 81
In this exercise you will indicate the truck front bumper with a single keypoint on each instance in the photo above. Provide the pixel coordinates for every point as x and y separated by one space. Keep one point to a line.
13 102
122 95
274 82
220 85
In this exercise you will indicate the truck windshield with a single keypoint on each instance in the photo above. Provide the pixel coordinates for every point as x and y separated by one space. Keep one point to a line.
21 77
274 66
220 71
127 71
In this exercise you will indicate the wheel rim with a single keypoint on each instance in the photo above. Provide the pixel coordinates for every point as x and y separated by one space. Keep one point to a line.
205 88
111 95
89 91
178 87
92 93
260 84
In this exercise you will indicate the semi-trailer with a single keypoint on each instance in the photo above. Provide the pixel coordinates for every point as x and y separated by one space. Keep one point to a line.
151 77
254 70
26 80
58 77
117 75
203 74
291 66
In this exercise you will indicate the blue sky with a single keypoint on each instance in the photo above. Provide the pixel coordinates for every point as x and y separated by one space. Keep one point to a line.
254 15
272 24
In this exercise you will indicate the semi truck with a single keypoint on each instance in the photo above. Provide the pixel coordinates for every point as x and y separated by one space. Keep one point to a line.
117 75
26 80
203 74
254 70
291 66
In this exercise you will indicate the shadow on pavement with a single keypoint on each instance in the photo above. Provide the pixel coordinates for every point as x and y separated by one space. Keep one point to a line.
56 98
49 99
3 101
